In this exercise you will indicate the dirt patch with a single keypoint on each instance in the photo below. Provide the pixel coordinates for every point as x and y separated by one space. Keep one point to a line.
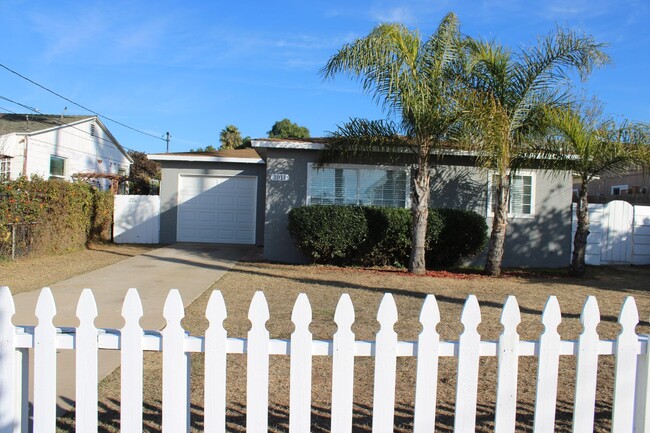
324 285
33 273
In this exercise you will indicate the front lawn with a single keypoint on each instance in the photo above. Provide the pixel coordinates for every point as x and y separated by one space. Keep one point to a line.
324 285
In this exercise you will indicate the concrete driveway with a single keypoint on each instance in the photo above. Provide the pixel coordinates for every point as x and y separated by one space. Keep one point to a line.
190 268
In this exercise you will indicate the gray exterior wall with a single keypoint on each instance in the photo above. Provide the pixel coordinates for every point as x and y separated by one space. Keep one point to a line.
171 172
542 240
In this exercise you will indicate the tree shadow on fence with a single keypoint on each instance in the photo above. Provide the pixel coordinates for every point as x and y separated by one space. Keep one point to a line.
278 417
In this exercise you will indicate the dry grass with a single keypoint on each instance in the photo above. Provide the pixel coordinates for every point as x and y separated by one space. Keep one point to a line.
324 286
34 273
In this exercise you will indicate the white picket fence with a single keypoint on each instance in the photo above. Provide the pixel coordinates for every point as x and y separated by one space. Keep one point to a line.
630 400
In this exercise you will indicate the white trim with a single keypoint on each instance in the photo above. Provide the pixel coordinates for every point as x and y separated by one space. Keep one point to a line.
178 196
307 145
533 186
205 158
407 192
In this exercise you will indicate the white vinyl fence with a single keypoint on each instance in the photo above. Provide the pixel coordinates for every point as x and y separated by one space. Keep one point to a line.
136 219
630 400
619 233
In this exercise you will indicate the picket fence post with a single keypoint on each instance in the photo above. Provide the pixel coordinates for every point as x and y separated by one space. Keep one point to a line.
175 387
468 358
257 366
45 364
8 379
385 367
426 386
215 365
343 367
300 370
586 369
625 369
86 360
508 368
131 364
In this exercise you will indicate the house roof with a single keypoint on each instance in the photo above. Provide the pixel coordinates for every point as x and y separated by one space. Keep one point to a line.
18 123
27 124
245 156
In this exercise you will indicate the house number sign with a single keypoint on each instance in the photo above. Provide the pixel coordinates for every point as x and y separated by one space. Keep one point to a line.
280 177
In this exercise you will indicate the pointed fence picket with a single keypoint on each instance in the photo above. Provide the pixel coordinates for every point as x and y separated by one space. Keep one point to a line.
630 402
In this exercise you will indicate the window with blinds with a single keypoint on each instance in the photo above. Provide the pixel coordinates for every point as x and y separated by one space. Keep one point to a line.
521 194
358 186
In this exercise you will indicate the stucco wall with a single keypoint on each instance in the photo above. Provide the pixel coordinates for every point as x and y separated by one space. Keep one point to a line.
541 240
171 172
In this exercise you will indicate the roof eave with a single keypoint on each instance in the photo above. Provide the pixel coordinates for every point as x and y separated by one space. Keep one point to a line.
203 158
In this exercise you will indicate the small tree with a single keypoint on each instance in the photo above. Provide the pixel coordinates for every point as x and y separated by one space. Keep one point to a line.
285 128
415 80
507 94
592 147
142 171
230 137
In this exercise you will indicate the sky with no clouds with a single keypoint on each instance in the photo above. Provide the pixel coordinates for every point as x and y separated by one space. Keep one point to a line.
192 67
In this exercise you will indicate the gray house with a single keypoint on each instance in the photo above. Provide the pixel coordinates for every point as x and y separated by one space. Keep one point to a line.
244 196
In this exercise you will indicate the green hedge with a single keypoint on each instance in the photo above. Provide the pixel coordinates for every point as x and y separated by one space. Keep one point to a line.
374 236
61 216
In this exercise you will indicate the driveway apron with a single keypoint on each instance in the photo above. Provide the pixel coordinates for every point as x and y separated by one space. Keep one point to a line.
190 268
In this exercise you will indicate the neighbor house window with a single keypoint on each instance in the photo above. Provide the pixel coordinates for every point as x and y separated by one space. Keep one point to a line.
5 168
358 185
521 195
619 189
57 167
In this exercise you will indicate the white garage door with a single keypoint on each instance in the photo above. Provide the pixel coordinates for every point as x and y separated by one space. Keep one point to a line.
217 209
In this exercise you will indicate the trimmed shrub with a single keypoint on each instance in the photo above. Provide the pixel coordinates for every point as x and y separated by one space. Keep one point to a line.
329 234
463 234
389 237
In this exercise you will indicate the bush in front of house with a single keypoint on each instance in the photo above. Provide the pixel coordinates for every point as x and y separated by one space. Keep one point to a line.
377 236
463 234
329 234
53 216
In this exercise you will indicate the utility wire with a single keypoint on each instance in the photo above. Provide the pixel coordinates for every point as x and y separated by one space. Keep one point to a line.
54 118
79 105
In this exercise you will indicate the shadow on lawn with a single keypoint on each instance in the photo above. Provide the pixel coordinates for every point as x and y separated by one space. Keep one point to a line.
278 418
415 294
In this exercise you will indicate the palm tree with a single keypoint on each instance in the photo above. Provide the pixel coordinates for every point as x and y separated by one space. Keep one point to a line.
230 137
504 108
412 79
592 147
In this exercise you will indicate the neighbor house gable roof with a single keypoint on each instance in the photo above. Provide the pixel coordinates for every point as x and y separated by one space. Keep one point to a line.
30 124
243 156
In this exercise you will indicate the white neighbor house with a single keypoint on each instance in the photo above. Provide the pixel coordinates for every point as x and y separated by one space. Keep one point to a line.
58 147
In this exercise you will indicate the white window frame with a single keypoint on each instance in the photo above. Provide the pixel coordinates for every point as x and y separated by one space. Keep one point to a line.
533 185
406 169
5 168
65 166
620 189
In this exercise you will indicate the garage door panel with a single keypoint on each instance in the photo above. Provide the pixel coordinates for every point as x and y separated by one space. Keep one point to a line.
216 209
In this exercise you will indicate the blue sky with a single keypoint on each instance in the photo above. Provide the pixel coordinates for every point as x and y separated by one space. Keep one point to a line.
192 67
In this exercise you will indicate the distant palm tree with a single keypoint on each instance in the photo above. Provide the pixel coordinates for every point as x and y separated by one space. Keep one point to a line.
414 81
507 94
592 147
230 137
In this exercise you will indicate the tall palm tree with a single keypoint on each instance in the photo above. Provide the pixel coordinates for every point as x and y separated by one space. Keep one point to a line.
592 147
413 80
230 137
504 108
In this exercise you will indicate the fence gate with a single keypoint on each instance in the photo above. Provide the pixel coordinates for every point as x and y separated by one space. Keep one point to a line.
618 234
136 219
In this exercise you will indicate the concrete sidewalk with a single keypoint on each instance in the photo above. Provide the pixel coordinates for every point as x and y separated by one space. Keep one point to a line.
191 268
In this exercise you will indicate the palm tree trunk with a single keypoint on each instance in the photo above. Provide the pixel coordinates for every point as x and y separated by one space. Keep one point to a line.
419 213
577 268
499 225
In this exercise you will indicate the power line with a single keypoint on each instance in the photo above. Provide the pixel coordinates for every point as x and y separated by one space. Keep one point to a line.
54 118
79 105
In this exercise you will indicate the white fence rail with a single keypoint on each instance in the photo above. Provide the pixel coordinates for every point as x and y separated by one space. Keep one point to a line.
136 219
630 400
619 233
